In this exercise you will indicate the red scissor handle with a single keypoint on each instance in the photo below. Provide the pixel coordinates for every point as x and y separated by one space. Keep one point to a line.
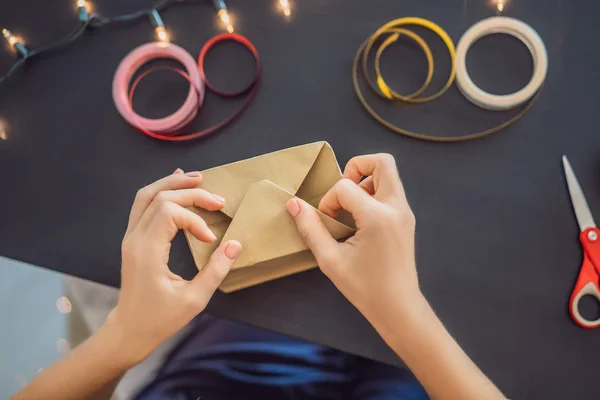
588 280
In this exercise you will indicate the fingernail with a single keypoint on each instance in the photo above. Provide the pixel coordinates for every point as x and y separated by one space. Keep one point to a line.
293 207
219 198
178 171
233 250
194 174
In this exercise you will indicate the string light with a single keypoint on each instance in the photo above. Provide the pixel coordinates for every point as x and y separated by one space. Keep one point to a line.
159 26
162 34
3 134
286 7
88 18
15 42
9 36
223 15
500 4
82 10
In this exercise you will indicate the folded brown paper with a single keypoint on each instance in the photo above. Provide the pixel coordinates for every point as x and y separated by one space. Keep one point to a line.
255 192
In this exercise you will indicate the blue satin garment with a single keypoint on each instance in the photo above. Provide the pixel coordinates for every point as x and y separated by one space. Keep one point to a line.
221 359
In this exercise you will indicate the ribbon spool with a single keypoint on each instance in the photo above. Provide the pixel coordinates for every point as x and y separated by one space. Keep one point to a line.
458 70
133 62
519 30
392 27
168 128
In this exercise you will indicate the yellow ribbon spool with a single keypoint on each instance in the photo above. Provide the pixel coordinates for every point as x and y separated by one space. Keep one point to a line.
382 89
390 27
385 89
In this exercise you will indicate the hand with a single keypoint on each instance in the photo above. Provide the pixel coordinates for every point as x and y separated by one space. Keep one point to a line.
154 303
375 269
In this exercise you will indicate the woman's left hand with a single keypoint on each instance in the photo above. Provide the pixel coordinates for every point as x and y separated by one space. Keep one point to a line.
154 303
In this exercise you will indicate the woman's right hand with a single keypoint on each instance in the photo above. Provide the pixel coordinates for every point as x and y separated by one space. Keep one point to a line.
375 269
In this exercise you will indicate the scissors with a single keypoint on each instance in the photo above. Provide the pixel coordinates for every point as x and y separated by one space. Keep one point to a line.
589 275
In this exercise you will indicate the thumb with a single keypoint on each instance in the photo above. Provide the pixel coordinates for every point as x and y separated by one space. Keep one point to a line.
206 281
315 235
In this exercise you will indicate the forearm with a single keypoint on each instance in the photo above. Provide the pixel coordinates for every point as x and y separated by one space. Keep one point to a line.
438 362
89 371
108 389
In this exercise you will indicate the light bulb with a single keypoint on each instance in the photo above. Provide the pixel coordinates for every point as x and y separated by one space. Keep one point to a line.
83 10
224 16
161 33
15 42
10 38
3 134
286 7
159 26
500 5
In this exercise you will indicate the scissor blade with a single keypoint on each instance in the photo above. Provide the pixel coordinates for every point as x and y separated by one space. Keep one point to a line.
580 205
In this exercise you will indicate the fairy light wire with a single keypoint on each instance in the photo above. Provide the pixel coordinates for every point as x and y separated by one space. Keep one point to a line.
94 20
65 40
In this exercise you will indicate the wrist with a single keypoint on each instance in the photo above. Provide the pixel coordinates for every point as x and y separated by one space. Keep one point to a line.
125 350
399 314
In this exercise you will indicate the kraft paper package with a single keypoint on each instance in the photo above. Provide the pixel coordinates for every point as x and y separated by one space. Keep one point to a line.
255 192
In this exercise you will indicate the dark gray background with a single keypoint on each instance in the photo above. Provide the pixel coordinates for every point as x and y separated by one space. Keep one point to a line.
497 244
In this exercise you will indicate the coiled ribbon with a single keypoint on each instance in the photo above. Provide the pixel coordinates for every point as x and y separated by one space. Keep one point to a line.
381 88
169 128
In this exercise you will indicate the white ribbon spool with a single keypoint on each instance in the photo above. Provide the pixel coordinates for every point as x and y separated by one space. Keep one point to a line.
519 30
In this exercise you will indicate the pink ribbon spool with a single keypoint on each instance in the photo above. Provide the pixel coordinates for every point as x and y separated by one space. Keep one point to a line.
129 66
